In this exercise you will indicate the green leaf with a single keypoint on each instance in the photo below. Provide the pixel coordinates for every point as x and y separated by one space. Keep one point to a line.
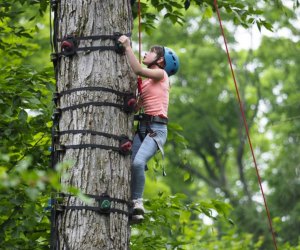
186 176
23 116
258 26
184 217
268 26
208 12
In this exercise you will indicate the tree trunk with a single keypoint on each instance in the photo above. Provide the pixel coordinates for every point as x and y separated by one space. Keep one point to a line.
94 171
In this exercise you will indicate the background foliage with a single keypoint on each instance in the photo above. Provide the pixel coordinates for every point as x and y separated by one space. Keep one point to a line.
210 198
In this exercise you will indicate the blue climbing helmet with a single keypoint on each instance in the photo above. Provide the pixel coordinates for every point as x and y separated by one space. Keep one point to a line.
171 61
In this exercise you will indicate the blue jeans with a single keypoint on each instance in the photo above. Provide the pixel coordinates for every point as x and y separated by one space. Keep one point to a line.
142 153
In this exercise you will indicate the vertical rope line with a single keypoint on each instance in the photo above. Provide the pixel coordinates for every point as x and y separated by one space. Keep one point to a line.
140 31
139 80
246 126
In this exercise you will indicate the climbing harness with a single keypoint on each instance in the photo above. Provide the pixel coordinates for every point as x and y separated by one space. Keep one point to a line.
151 118
144 119
245 124
144 129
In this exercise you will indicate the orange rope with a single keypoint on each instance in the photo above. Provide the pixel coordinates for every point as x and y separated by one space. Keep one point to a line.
246 126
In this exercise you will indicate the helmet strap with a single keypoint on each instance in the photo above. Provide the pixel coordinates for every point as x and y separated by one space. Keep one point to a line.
155 63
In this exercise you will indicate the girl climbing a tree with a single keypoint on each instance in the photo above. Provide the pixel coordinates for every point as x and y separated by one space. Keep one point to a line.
151 135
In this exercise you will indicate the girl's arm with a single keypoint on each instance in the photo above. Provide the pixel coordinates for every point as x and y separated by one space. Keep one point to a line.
156 74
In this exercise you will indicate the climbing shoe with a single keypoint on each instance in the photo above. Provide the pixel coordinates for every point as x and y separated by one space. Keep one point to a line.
136 219
138 207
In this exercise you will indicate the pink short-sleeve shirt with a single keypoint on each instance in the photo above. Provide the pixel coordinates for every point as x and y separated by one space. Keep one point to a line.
155 96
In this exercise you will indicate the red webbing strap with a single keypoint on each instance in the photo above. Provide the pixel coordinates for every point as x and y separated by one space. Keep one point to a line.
139 85
245 125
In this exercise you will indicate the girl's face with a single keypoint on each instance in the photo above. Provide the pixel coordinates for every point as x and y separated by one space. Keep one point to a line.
149 57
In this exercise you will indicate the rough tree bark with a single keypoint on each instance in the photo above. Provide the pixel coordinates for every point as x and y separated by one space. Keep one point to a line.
94 171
